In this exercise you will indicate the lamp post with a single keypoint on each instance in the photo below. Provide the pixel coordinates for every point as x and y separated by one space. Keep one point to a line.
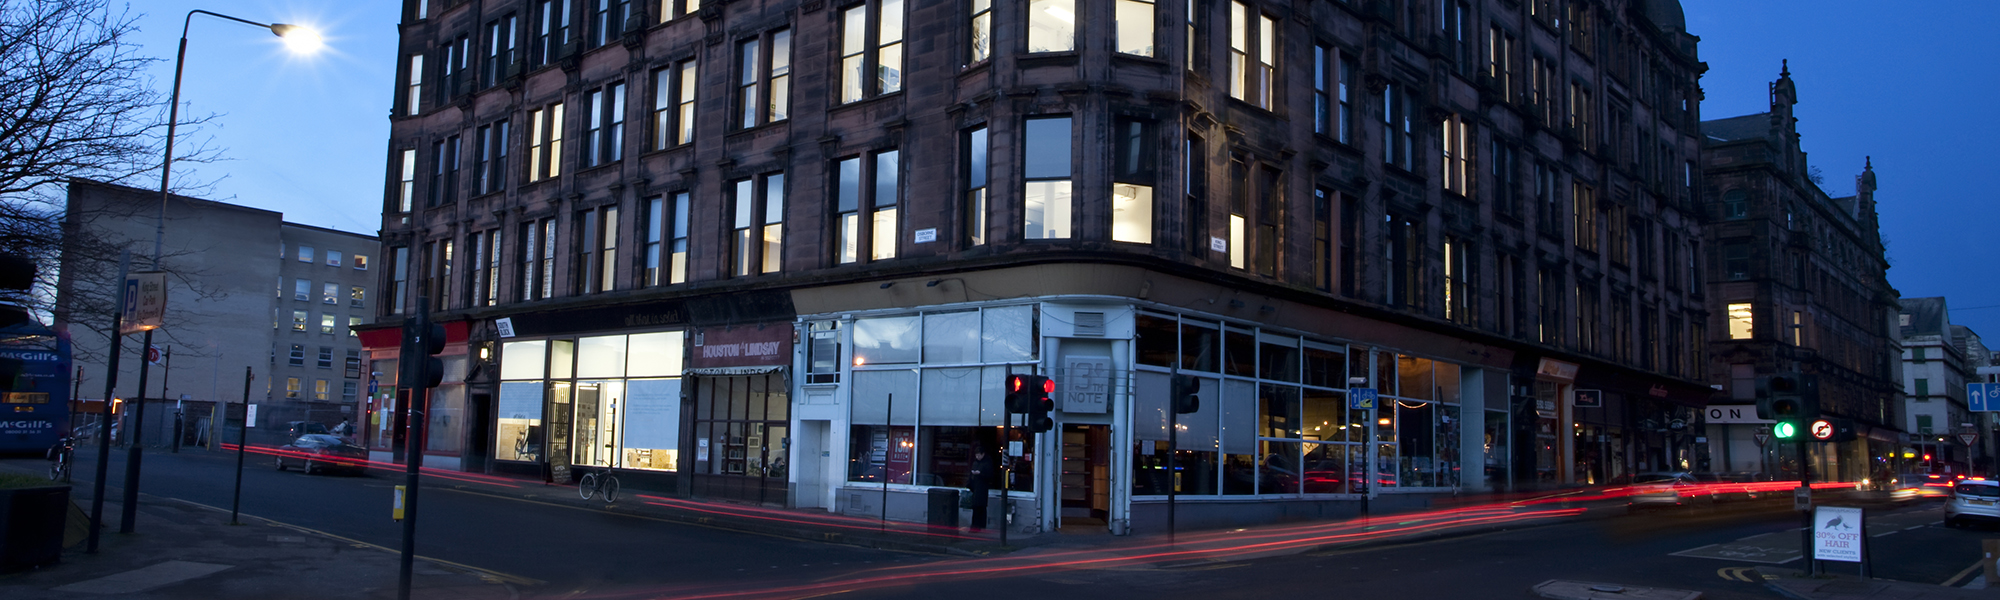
299 38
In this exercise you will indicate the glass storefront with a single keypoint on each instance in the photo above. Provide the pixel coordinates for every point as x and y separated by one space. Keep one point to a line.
599 401
1274 418
927 389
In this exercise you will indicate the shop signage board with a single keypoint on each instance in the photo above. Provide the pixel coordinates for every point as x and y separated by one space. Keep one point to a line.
744 346
1732 414
1556 370
1085 384
1590 398
1837 534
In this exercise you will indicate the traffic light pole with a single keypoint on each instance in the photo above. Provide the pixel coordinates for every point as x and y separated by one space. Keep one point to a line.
242 439
1006 477
417 376
1805 517
129 512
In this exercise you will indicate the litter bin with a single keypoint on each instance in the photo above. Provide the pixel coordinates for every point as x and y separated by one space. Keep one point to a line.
944 507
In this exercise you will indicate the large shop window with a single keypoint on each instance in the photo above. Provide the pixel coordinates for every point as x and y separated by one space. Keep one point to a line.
1274 418
605 401
928 389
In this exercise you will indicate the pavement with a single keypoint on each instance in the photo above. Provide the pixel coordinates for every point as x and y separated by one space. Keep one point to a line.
191 550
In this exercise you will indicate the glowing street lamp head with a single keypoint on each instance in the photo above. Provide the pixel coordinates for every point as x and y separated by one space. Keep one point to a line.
301 39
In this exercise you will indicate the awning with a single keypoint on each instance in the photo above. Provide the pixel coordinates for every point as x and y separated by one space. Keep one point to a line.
727 371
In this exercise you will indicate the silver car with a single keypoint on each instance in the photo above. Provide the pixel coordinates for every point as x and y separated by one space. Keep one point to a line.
1972 500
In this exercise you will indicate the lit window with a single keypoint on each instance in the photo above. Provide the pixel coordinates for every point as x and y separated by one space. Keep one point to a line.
982 31
1135 27
1740 316
360 262
673 105
1133 172
871 41
545 142
330 293
1046 198
1457 145
757 71
757 235
878 181
1051 25
1253 55
299 320
415 88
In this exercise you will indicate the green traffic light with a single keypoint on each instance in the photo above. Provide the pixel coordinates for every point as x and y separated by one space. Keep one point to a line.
1785 431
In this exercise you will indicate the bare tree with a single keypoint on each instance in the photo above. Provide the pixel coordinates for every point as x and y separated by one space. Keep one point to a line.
75 102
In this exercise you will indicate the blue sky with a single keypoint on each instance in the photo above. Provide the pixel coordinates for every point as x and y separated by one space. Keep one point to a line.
1905 84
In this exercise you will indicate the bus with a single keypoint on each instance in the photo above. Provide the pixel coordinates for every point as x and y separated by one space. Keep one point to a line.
34 388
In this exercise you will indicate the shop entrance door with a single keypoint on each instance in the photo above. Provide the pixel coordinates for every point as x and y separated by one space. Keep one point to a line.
1086 477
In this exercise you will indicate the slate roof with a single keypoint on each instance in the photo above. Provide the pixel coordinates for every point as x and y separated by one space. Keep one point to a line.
1746 127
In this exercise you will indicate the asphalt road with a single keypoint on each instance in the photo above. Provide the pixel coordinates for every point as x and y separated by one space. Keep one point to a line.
577 549
573 546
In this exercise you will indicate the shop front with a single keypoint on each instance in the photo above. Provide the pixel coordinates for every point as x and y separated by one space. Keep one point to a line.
740 398
609 401
894 402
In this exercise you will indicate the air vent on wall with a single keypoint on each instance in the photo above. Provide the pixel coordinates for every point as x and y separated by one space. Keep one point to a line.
1090 324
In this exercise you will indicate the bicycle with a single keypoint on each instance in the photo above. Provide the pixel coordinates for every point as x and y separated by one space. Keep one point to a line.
602 484
59 459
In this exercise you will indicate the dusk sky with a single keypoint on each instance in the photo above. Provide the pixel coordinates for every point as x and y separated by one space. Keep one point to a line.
306 135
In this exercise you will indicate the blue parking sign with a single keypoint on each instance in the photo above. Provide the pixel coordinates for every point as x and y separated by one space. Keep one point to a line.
1361 398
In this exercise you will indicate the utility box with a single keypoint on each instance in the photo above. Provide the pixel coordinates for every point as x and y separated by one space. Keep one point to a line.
943 510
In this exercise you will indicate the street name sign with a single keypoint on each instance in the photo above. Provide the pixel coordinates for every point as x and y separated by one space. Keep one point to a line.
1837 534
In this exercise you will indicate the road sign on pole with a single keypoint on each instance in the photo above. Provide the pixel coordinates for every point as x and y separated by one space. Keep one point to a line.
1968 438
1979 396
1761 438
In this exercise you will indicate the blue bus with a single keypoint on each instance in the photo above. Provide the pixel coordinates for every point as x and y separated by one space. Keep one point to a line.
34 388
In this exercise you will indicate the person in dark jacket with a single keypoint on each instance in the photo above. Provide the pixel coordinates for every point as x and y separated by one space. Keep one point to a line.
977 482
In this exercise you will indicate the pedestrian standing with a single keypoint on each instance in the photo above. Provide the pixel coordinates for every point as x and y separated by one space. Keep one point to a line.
977 482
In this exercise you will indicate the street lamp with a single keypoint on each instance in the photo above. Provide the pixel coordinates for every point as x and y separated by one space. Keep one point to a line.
299 39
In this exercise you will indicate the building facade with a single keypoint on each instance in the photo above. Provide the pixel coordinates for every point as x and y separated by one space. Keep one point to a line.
223 262
788 251
1938 360
1803 287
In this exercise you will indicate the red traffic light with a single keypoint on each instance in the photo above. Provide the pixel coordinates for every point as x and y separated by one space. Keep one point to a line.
1048 385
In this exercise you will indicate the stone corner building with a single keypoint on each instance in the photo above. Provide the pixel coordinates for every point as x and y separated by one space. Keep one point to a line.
1803 286
787 251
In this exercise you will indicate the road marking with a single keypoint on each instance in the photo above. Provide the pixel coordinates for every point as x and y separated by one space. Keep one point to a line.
1961 575
1916 527
1737 573
1889 533
486 574
1742 553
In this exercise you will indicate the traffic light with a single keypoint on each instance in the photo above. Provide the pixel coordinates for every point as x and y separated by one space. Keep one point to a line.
422 341
1791 399
1029 395
1185 394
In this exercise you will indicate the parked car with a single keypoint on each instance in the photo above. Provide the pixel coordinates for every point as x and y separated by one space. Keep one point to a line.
322 453
1669 490
1972 500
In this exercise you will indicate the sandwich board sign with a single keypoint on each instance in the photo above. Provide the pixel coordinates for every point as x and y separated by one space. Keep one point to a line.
1837 533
